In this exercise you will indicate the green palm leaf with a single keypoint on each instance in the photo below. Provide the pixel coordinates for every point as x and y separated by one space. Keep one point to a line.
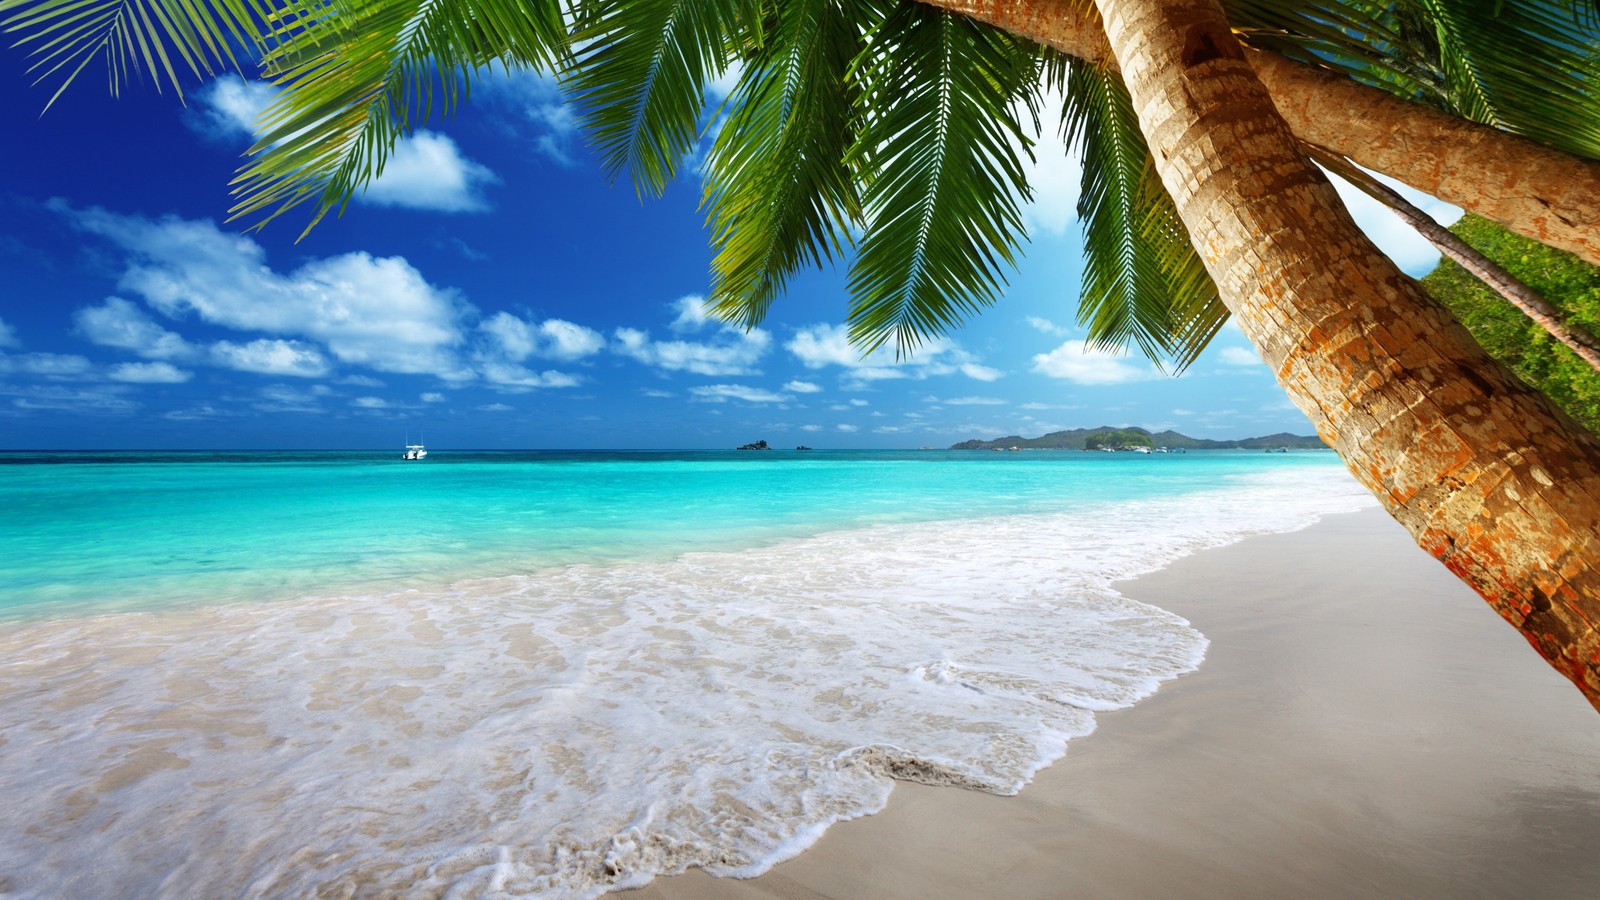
131 36
940 157
369 72
640 77
1143 283
776 184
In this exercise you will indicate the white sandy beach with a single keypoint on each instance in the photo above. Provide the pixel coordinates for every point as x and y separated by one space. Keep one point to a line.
1363 726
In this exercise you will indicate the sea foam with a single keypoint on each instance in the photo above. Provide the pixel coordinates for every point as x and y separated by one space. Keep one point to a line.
581 729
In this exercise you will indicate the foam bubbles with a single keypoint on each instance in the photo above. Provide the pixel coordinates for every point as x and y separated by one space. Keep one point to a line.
582 729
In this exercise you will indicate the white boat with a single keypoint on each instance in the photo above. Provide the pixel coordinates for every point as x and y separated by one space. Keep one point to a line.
414 451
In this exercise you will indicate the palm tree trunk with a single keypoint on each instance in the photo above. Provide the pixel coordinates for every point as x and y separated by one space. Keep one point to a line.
1493 275
1540 193
1485 472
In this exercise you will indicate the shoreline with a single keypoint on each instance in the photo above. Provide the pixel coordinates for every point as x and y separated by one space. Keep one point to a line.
1363 724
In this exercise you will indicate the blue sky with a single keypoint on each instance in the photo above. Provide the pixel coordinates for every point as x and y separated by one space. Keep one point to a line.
493 290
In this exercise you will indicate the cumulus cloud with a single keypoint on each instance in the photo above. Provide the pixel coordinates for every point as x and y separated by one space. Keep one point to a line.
229 108
975 401
376 312
271 357
425 171
428 171
802 387
8 337
1048 327
432 397
370 403
1078 363
847 428
728 351
517 339
719 393
1238 356
149 373
123 325
820 346
494 407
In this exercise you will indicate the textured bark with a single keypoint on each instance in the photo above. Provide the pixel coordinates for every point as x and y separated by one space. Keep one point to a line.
1540 193
1493 275
1486 474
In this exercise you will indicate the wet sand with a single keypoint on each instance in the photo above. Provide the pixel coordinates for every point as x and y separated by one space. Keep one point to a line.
1363 726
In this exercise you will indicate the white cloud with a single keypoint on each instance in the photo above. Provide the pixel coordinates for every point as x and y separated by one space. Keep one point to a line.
370 403
694 314
230 107
858 402
802 387
820 346
427 171
60 366
516 379
1238 356
729 352
1048 327
975 401
810 427
1076 362
8 337
424 171
494 407
981 373
567 340
150 373
824 345
376 312
271 357
847 428
1409 250
119 323
719 393
517 339
431 397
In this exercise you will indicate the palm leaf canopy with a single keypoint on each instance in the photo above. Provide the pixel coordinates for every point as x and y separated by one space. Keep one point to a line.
889 133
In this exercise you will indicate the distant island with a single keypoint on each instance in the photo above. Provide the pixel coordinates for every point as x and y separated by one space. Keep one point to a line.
1106 436
758 445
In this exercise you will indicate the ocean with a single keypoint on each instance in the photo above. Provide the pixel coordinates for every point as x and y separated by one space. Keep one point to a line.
563 673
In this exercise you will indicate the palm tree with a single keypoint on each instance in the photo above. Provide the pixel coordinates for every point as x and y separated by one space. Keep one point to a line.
907 123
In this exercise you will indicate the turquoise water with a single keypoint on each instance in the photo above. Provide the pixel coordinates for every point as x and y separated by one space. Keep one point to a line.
89 532
564 674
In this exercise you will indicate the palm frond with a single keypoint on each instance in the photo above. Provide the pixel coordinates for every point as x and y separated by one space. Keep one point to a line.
640 77
1143 283
776 184
167 38
940 155
367 72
